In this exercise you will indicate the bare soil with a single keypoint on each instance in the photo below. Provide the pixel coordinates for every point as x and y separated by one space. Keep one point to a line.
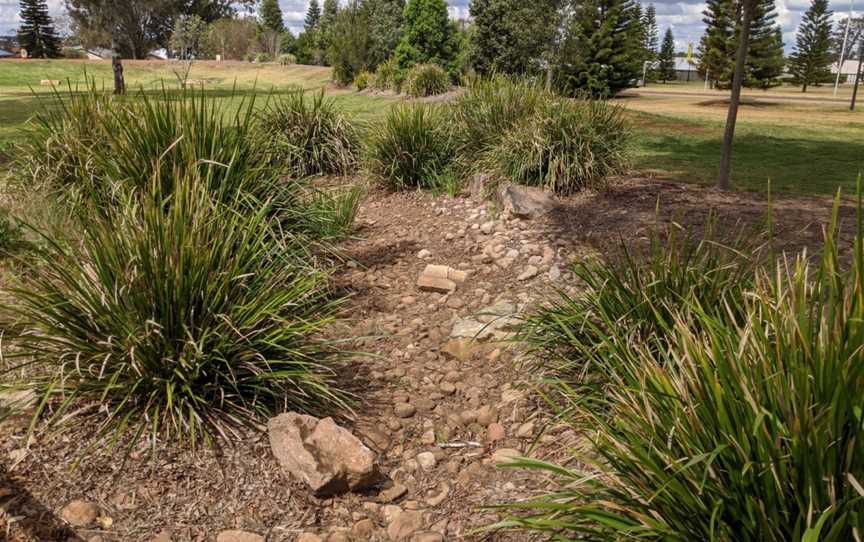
471 398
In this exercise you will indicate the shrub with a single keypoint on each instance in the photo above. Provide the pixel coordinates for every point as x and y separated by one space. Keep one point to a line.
287 59
743 428
308 136
184 322
565 146
489 108
11 236
364 80
411 147
387 76
262 57
426 80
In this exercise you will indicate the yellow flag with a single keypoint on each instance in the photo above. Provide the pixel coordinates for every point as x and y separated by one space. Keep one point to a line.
689 53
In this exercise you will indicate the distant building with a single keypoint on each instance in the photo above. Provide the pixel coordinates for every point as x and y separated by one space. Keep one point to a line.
686 70
847 71
6 54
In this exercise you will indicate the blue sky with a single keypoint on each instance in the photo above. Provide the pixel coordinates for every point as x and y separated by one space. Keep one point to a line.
684 16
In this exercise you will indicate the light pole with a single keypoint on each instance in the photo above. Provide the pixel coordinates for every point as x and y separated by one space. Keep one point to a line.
843 49
857 75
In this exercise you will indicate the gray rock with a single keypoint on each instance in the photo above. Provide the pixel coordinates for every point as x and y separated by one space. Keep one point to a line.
525 201
328 458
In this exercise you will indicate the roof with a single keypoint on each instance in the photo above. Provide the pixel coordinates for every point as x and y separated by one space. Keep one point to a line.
682 65
850 67
5 53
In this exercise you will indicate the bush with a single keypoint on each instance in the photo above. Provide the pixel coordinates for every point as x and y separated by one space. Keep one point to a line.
11 236
565 146
426 80
411 147
287 59
745 425
186 322
262 57
387 76
489 108
308 136
364 80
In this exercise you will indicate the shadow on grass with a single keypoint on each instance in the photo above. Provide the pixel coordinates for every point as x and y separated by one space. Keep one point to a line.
794 165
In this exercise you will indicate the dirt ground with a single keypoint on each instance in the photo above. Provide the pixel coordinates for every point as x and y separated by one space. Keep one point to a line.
438 408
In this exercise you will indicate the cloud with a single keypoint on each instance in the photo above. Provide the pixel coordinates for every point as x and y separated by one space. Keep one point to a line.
683 16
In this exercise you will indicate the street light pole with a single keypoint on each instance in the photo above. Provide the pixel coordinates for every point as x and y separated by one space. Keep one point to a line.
843 48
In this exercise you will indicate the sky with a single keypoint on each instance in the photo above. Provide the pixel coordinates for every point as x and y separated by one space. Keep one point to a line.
683 16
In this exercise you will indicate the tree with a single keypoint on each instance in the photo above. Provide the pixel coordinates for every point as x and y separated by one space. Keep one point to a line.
350 43
386 19
856 34
811 61
231 38
666 69
270 16
187 38
511 36
313 16
36 33
328 20
601 52
765 60
427 36
747 9
717 45
652 33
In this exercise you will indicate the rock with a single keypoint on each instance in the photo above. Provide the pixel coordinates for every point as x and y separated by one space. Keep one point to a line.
80 513
235 535
426 460
392 493
554 273
526 430
307 537
404 524
471 329
423 254
479 186
163 536
459 349
495 432
529 273
363 529
486 415
487 227
328 458
338 536
428 536
505 455
435 284
525 201
445 272
404 410
437 498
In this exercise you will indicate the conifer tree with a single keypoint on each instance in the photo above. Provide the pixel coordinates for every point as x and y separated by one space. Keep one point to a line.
428 35
386 20
718 43
329 14
652 33
36 33
271 16
811 60
313 16
666 69
765 58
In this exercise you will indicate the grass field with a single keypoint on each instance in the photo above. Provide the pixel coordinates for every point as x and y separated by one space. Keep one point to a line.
805 143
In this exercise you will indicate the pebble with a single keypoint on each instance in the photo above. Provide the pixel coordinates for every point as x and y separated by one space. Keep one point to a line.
80 513
404 524
526 430
423 254
363 529
405 410
486 415
428 536
234 535
554 273
392 493
529 273
426 460
495 432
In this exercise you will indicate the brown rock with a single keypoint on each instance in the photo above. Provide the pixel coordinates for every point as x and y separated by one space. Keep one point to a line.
404 524
308 537
460 349
495 432
163 536
235 535
392 493
80 513
404 410
435 284
428 536
525 201
328 458
363 529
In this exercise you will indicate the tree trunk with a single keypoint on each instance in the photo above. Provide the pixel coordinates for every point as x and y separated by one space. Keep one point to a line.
857 77
117 66
735 99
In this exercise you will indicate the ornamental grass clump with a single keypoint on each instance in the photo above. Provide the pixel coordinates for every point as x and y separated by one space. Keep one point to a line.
566 145
426 80
175 316
308 135
743 423
411 148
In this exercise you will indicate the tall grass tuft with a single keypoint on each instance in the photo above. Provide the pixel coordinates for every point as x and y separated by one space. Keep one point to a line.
178 316
426 80
565 146
308 136
744 424
411 148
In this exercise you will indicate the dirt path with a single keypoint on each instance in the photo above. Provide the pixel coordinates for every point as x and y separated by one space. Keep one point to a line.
439 408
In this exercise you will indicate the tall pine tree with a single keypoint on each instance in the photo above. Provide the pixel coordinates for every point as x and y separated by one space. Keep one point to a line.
718 43
428 35
765 58
652 33
601 53
36 33
271 16
313 16
666 69
810 62
386 18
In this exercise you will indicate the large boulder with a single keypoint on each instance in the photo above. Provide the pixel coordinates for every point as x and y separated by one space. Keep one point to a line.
525 201
328 458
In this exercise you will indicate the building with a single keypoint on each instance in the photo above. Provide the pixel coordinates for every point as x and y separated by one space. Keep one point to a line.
6 54
686 70
847 71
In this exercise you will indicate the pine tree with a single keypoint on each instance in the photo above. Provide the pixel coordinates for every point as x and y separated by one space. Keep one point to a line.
313 16
386 20
600 55
36 33
329 14
510 36
271 16
765 58
666 69
428 35
811 60
718 43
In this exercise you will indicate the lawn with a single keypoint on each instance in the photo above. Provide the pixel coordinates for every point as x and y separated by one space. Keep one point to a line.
804 143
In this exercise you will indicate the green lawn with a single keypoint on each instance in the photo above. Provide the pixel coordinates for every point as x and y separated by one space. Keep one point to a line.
804 147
